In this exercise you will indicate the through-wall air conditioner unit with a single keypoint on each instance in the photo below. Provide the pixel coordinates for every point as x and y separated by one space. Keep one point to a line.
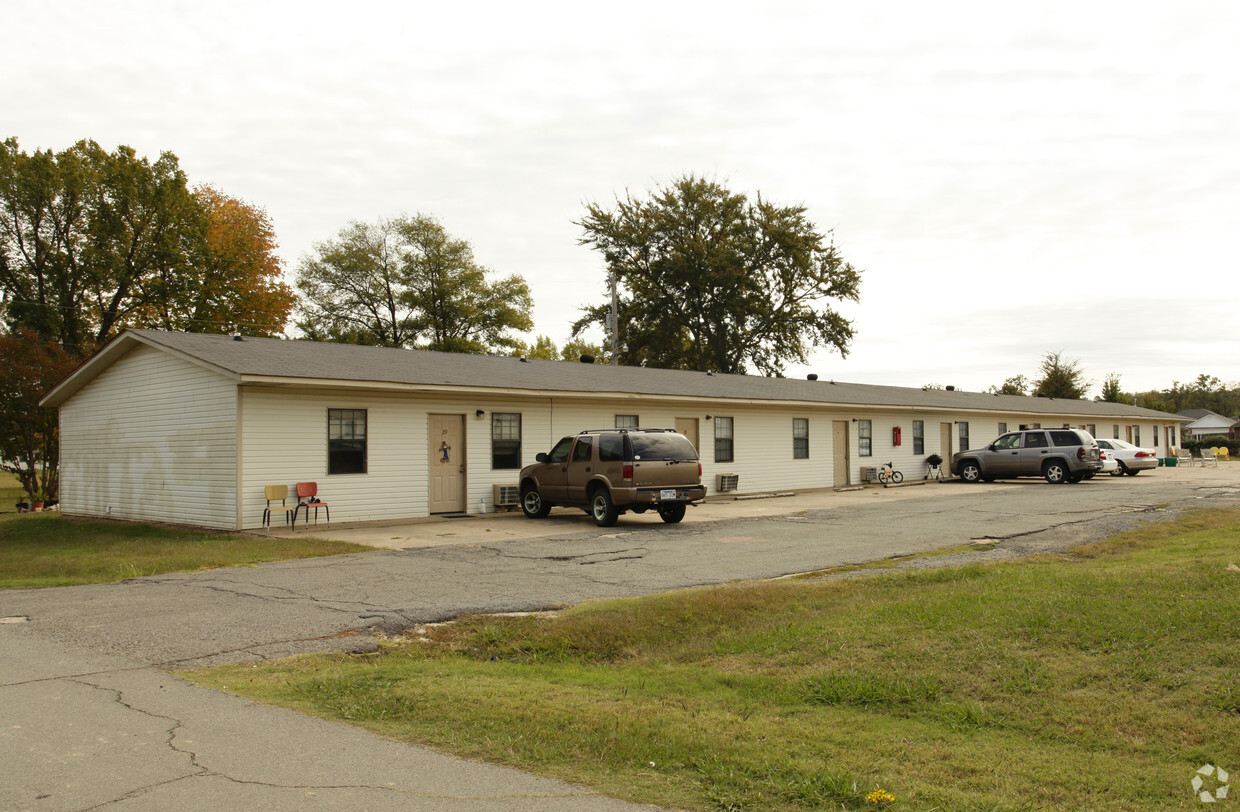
726 482
869 474
506 495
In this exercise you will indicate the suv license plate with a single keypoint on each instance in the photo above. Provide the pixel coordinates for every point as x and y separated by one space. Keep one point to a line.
665 495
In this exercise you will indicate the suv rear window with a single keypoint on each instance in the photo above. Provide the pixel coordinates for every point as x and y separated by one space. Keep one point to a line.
1065 438
662 447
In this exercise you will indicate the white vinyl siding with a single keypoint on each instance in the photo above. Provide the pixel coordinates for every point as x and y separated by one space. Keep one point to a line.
154 439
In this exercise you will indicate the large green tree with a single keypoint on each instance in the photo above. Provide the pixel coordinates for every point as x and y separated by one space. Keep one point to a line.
708 279
94 241
405 282
1060 378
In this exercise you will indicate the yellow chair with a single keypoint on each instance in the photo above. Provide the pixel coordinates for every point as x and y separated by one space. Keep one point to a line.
1224 453
280 492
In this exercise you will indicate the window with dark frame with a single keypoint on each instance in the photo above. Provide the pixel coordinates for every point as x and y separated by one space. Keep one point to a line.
505 441
723 439
919 437
800 438
346 441
964 436
865 443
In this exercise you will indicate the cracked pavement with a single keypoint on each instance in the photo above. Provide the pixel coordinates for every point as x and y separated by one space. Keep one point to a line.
92 718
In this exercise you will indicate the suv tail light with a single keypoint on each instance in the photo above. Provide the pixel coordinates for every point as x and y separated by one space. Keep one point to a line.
1080 453
627 472
699 470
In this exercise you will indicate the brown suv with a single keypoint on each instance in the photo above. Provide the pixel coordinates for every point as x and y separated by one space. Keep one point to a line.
610 471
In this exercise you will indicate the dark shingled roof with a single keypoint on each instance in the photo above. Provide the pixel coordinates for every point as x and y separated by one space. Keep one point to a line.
292 360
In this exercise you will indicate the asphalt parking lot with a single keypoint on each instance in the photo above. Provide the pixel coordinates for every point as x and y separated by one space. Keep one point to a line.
93 717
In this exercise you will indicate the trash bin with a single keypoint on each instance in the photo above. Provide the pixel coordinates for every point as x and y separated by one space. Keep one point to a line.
1170 461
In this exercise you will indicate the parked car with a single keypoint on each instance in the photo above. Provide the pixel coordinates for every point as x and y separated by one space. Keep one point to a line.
611 471
1059 455
1109 464
1130 459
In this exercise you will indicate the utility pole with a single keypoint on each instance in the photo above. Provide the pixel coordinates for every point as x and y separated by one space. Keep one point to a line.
613 322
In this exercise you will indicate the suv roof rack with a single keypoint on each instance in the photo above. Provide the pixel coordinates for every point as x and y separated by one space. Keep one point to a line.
625 430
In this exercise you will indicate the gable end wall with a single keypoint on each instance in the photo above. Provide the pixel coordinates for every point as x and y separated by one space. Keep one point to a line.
153 438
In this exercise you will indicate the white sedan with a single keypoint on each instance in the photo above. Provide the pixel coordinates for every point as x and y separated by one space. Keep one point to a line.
1109 464
1130 459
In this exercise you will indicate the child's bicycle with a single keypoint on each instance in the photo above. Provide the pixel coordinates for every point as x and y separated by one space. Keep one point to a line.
889 476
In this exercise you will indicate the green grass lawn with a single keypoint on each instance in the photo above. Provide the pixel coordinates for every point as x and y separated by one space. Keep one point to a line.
47 549
10 492
1101 680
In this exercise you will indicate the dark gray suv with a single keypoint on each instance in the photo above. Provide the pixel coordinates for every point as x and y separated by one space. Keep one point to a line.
1060 455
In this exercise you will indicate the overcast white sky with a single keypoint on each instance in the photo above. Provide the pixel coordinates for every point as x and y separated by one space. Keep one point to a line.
1013 179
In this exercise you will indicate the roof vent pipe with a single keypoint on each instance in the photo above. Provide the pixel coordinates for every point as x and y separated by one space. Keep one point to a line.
813 376
587 359
950 388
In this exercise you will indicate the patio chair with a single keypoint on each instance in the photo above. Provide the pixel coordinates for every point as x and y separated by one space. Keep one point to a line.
308 497
1209 457
273 493
1184 457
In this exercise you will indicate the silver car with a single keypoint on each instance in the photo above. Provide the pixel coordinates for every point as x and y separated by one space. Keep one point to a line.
1130 459
1059 455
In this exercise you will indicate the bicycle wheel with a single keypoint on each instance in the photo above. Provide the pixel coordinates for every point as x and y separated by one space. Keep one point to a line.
897 477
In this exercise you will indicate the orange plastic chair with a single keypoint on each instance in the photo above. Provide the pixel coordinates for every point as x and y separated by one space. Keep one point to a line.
308 497
280 492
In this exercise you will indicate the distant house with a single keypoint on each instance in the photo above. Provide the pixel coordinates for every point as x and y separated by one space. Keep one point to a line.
189 428
1201 423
